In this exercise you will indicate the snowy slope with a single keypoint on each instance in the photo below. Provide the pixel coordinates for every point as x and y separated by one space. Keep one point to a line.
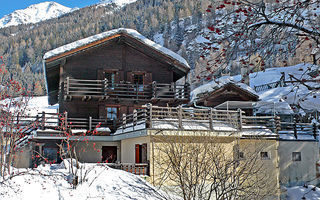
50 182
117 2
34 13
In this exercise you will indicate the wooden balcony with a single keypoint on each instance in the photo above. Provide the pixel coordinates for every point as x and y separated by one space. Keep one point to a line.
102 89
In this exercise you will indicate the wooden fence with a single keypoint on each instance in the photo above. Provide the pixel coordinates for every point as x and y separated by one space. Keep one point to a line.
105 90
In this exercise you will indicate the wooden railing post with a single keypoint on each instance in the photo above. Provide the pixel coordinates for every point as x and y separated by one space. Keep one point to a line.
315 130
66 120
68 85
149 109
154 90
105 86
124 122
277 124
180 116
135 118
43 120
240 119
186 91
211 120
90 123
295 129
137 91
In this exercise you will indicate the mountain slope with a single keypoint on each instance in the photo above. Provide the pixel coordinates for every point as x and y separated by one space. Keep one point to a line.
34 13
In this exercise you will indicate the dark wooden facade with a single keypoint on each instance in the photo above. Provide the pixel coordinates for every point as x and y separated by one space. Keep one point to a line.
112 77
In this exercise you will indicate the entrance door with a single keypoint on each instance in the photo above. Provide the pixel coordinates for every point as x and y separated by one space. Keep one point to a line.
109 154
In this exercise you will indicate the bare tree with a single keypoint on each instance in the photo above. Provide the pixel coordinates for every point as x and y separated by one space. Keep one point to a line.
212 167
276 32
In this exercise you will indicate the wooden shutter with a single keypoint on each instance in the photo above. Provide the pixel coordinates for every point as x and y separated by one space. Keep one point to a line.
122 110
130 77
147 78
137 149
119 77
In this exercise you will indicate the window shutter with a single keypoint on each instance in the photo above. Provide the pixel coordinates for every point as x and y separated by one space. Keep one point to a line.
129 77
137 148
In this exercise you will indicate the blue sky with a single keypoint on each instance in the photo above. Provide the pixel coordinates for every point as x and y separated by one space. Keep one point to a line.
8 6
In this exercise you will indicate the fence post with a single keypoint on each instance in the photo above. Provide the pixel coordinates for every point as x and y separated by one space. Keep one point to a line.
43 120
211 120
180 116
240 119
90 123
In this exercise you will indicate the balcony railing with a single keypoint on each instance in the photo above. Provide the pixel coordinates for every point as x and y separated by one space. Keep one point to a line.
179 118
105 90
163 118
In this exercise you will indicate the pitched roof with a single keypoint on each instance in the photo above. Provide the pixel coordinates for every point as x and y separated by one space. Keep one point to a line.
211 87
86 43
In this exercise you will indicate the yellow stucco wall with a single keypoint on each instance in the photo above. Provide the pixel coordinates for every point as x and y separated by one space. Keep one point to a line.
298 172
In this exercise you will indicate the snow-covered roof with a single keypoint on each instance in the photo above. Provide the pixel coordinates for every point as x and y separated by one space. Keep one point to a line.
215 85
133 33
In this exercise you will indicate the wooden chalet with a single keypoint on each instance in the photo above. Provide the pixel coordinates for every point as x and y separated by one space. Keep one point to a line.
103 77
225 96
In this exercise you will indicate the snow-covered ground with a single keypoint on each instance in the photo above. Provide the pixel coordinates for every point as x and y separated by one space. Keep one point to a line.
297 193
52 182
40 104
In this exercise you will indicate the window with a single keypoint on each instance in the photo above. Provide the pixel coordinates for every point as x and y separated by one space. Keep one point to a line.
241 155
264 155
112 113
296 156
138 81
110 76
